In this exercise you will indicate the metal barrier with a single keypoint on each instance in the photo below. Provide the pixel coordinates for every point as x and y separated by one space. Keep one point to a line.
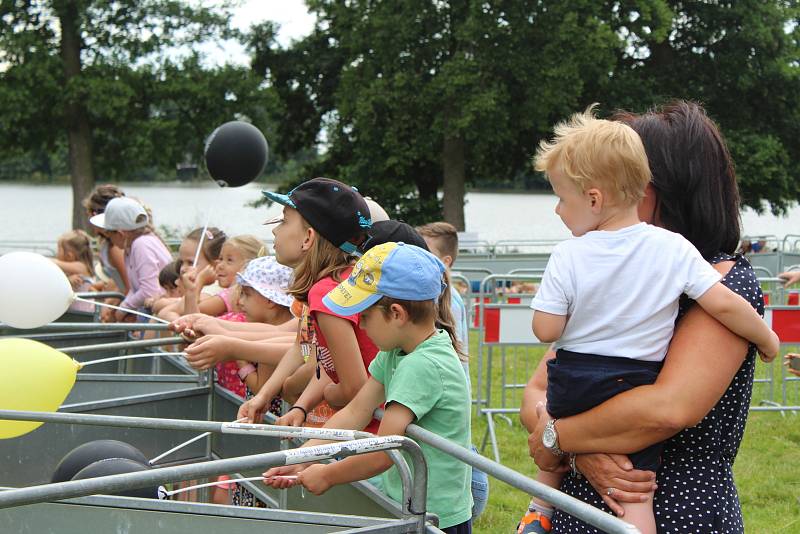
785 321
504 327
414 502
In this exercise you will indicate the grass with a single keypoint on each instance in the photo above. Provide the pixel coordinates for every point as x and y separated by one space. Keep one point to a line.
767 468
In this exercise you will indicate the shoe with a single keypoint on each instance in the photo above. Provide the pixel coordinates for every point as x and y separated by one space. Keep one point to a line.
534 523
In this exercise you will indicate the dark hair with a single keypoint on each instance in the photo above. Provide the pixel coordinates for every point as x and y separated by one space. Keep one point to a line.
421 310
693 175
168 277
212 244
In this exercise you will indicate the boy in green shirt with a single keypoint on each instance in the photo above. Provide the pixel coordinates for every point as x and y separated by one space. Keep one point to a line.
417 374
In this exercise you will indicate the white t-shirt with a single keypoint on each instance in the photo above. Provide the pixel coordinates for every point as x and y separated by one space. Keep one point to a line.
620 290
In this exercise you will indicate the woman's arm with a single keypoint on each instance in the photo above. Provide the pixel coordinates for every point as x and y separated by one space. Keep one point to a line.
702 360
535 392
346 355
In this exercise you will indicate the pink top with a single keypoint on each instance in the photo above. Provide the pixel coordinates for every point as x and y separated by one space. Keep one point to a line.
228 372
145 259
230 314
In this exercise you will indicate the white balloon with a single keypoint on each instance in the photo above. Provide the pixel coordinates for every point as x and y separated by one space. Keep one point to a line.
34 291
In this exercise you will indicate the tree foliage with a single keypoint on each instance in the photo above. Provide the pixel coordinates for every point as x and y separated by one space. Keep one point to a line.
124 106
397 86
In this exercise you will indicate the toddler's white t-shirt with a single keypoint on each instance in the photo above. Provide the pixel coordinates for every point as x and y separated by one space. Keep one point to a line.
620 290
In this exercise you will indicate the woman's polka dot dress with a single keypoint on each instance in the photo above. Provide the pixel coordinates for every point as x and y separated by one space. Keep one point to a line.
696 491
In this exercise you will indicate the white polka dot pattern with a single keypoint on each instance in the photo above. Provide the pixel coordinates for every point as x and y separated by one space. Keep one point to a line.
696 491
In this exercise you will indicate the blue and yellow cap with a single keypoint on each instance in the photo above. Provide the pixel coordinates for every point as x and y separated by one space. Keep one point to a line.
395 270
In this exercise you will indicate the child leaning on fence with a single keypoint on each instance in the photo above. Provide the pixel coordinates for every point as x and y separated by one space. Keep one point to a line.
609 298
396 287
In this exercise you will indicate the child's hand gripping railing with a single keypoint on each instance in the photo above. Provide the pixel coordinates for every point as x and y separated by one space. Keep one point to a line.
414 488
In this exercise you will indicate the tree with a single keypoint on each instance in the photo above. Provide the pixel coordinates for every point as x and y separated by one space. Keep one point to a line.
742 61
416 96
63 56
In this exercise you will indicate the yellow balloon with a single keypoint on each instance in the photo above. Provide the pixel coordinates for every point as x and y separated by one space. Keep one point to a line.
33 377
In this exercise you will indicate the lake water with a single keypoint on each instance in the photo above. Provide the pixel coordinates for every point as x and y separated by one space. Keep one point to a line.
42 212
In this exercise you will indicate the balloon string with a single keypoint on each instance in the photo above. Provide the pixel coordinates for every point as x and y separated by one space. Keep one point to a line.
202 238
126 310
185 443
130 357
217 483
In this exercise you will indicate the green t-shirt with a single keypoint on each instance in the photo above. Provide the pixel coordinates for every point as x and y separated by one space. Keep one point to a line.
430 382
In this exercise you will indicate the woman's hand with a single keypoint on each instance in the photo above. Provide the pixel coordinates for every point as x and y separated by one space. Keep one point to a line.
768 352
546 460
208 351
119 316
292 418
314 480
284 476
253 409
614 474
787 361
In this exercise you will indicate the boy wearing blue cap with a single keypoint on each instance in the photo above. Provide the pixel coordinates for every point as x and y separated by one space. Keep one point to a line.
396 287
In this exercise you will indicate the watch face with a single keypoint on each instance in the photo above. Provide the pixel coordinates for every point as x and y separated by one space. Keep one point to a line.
549 437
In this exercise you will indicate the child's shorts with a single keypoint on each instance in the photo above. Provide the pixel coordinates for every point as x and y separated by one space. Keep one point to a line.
578 382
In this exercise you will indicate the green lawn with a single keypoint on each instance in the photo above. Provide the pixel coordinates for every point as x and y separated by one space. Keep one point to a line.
767 468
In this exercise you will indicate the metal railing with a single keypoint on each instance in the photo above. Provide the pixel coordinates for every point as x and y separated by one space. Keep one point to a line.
413 504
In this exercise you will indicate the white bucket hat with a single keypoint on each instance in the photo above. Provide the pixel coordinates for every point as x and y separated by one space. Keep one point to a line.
269 278
122 213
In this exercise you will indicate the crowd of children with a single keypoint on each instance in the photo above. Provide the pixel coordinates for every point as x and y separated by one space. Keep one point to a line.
354 312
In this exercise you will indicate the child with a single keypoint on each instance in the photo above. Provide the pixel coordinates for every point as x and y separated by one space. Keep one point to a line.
323 222
126 223
442 240
170 281
74 257
112 258
197 277
610 297
395 288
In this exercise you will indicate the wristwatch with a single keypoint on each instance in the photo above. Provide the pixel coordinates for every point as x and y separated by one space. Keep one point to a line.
550 438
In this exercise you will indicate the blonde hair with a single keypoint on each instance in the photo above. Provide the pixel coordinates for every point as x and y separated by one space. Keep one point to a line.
600 153
322 260
79 243
251 248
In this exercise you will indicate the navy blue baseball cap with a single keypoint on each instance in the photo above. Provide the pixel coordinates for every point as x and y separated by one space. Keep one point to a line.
336 211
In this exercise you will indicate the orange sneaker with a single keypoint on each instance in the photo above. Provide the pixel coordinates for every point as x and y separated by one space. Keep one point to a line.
534 523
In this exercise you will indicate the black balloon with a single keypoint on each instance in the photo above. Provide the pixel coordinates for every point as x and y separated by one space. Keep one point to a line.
117 466
236 154
90 452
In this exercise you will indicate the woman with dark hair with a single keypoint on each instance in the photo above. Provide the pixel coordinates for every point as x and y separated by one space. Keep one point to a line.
112 258
699 402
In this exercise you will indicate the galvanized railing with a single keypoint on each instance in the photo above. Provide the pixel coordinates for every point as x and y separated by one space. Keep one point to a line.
414 487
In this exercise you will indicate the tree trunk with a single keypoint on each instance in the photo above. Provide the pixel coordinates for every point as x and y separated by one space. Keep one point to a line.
453 165
79 134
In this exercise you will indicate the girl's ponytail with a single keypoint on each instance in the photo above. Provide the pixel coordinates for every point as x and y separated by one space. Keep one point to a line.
444 317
